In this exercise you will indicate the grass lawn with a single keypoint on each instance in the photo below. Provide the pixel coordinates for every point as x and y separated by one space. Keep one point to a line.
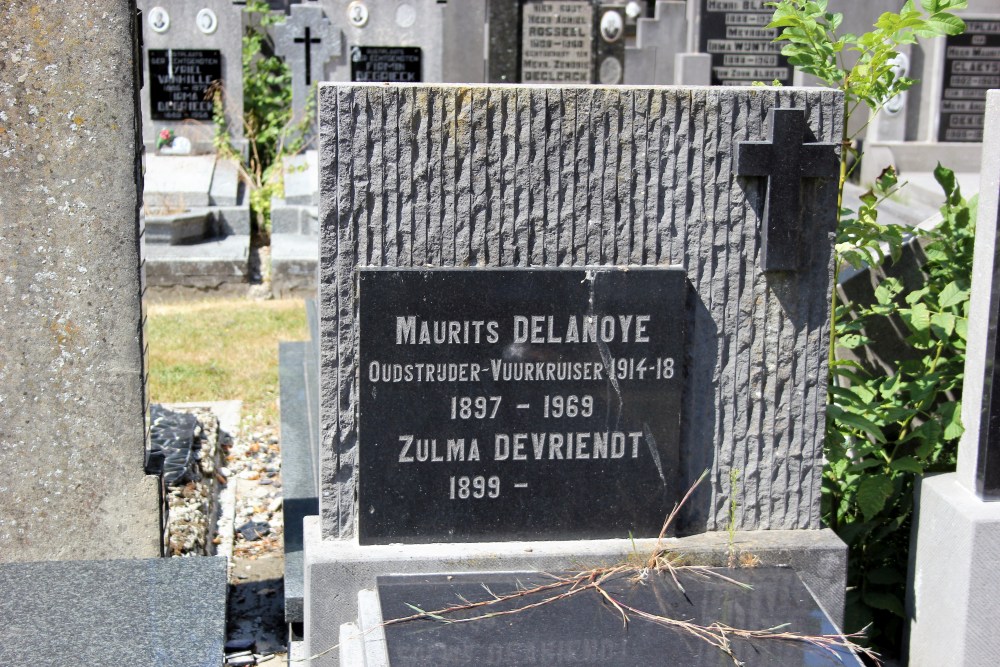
221 350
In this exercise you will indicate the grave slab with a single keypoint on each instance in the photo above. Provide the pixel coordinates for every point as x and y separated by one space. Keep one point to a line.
301 176
169 611
177 182
195 271
294 261
301 497
225 190
585 630
336 569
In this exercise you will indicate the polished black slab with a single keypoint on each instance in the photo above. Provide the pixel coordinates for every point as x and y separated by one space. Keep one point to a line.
487 411
392 64
586 630
971 67
740 43
179 79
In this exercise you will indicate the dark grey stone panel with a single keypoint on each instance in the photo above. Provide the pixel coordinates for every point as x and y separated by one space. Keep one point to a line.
520 176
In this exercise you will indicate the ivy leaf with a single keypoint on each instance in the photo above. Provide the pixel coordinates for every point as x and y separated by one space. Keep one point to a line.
907 464
885 576
872 494
952 295
951 419
858 422
887 601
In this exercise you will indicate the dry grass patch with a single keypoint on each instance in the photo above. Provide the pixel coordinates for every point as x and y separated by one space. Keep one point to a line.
221 350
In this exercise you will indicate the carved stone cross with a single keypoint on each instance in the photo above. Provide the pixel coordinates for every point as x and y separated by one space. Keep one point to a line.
784 160
308 41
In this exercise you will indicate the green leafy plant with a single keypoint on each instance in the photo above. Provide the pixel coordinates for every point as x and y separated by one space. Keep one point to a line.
883 431
267 119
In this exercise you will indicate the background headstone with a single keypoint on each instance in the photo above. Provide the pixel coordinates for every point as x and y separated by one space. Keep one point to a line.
971 67
307 41
208 36
367 24
740 43
942 115
72 363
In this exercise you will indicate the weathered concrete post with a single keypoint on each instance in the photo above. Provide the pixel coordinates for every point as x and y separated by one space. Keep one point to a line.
72 370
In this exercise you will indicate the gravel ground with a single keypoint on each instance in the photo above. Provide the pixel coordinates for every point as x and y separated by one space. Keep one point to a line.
256 618
239 465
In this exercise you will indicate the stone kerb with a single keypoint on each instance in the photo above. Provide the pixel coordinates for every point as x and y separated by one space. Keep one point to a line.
519 176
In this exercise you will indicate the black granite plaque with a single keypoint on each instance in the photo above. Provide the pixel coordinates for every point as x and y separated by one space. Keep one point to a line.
392 64
586 630
518 404
971 67
179 79
736 35
557 41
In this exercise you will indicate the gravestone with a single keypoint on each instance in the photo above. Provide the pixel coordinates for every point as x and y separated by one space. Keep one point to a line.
532 181
736 35
307 41
941 119
401 42
196 210
956 530
663 52
189 45
557 41
584 630
971 67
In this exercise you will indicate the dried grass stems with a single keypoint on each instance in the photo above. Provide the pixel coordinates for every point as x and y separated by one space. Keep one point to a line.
660 561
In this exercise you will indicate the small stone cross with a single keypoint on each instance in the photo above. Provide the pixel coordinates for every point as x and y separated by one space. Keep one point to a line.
308 41
784 160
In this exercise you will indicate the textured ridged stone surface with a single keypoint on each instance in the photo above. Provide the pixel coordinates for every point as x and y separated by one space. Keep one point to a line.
546 176
72 381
